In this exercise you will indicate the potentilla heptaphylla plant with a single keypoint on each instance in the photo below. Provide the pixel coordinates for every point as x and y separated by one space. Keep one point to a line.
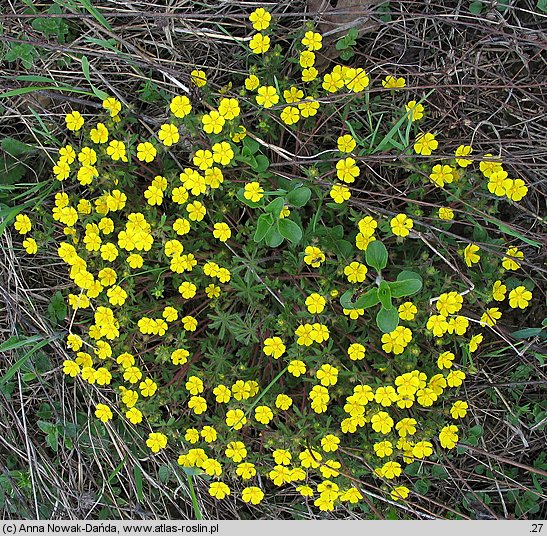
290 334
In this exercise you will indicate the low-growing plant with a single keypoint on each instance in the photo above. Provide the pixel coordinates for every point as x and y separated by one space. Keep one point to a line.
236 296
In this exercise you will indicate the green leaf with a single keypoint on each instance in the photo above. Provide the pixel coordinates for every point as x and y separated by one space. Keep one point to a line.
57 308
96 13
15 147
526 333
261 163
289 230
164 473
264 224
475 7
15 342
273 237
376 255
275 207
407 287
407 274
85 68
387 319
369 299
299 197
251 145
542 5
384 294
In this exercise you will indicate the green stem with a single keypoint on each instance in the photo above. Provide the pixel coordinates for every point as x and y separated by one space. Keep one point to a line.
195 504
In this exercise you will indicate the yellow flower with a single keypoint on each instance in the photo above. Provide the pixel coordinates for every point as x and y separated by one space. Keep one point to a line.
390 82
253 192
273 346
459 409
356 351
401 225
425 144
490 165
260 18
332 82
399 492
168 134
297 368
474 342
448 436
229 108
519 297
355 272
263 414
219 490
312 40
74 121
416 110
180 106
22 224
510 261
438 325
156 441
148 387
455 378
222 153
134 415
253 495
327 375
113 105
103 412
356 79
146 152
68 155
290 115
307 59
446 213
260 43
382 422
213 122
315 303
310 74
221 231
498 291
283 402
346 143
515 189
252 82
235 418
198 77
267 96
461 151
406 427
391 470
470 254
347 170
407 311
383 449
292 95
30 245
441 174
196 211
340 193
71 368
116 150
197 404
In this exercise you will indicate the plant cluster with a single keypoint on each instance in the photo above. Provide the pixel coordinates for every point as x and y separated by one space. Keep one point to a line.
234 297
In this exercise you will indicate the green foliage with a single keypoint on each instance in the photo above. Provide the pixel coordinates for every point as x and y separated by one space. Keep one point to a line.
346 44
23 52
